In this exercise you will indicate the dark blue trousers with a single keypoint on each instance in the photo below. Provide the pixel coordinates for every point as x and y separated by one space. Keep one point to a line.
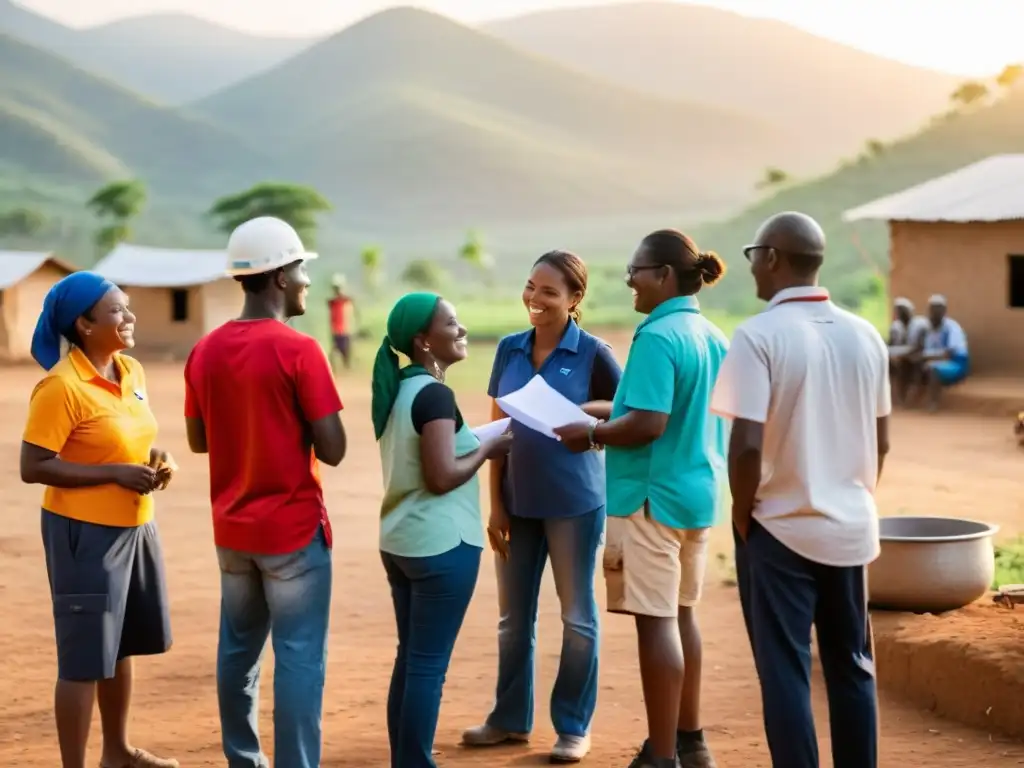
783 596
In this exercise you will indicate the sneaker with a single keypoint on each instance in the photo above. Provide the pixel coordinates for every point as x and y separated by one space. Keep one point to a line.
570 749
644 759
489 736
697 757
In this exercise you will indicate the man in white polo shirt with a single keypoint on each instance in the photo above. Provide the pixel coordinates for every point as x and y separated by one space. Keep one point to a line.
807 387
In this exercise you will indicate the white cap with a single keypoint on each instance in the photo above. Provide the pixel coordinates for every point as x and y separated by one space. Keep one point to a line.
937 300
339 281
902 301
262 245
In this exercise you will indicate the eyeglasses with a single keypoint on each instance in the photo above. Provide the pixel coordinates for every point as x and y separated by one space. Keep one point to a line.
632 269
750 250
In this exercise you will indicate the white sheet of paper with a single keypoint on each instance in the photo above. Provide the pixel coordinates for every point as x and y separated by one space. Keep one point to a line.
541 408
491 429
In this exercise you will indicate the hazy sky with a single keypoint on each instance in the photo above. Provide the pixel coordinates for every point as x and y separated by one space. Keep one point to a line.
964 36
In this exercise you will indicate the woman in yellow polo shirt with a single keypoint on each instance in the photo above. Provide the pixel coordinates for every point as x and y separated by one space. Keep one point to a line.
89 440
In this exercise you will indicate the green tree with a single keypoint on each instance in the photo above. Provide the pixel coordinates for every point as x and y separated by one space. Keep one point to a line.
298 205
21 222
475 255
116 205
969 94
773 177
423 274
874 148
1011 75
372 259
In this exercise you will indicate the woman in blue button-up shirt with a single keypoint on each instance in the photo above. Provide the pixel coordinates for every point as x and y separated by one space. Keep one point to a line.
548 502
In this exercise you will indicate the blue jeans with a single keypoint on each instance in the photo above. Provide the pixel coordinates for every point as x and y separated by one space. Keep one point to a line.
431 595
783 595
289 598
572 544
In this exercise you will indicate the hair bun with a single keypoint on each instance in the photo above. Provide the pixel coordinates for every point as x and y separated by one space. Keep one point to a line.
710 266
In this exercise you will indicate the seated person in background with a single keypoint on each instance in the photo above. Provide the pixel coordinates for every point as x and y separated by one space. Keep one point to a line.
944 359
906 339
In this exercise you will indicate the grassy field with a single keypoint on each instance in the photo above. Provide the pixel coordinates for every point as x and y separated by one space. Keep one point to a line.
488 318
1009 564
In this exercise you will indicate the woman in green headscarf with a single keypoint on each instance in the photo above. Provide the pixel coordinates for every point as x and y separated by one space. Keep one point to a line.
431 532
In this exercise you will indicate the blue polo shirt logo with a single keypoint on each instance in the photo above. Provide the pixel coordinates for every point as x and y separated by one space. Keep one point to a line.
565 371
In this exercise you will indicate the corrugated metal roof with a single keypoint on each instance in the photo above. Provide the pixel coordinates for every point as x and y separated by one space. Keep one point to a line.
989 190
15 266
145 267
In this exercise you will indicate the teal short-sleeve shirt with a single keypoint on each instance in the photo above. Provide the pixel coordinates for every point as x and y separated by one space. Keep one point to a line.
672 366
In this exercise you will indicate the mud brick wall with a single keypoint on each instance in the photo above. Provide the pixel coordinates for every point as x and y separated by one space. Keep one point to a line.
969 264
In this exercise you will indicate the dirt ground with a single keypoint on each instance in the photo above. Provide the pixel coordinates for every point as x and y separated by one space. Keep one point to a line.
945 465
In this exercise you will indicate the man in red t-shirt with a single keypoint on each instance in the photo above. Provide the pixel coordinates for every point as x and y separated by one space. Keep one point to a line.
260 400
341 308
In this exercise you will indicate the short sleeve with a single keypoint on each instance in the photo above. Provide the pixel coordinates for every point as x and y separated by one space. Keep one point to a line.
314 383
498 367
743 388
433 402
53 414
606 374
650 380
957 339
193 410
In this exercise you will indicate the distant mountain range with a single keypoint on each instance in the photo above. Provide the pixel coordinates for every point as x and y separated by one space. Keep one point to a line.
411 123
440 107
171 58
833 97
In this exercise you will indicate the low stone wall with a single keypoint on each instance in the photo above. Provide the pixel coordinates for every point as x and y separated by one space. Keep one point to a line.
965 665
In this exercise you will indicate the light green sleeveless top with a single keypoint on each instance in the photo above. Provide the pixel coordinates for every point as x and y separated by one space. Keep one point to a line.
413 521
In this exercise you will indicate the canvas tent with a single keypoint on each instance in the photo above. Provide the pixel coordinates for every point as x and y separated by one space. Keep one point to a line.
176 295
25 277
962 235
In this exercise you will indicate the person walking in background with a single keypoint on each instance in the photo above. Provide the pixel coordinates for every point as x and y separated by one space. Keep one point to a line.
807 387
548 502
431 533
260 399
342 312
665 460
89 440
906 340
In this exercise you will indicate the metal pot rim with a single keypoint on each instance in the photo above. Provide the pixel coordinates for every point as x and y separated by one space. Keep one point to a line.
989 530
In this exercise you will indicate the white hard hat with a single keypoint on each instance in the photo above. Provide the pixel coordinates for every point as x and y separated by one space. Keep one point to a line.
937 300
262 245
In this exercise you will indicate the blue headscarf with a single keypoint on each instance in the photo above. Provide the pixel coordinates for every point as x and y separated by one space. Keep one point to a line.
65 302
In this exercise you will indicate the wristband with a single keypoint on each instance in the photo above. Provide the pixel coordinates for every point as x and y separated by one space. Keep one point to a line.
594 445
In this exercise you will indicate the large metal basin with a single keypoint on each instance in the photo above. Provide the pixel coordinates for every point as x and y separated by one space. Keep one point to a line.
931 564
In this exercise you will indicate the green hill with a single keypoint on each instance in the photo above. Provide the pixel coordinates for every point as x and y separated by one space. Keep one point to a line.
410 116
104 130
832 96
858 253
172 58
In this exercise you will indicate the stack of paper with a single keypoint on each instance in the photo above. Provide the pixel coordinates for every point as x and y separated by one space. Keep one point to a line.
541 408
491 429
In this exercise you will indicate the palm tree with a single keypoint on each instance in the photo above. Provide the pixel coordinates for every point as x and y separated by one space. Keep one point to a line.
473 253
372 260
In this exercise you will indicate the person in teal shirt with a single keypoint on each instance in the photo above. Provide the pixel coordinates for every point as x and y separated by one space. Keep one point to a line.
665 466
431 532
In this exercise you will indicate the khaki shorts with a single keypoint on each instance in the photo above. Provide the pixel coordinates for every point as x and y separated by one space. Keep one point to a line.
651 569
